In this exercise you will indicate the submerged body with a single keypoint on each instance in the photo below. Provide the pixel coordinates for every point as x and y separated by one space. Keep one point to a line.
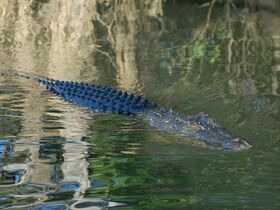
107 99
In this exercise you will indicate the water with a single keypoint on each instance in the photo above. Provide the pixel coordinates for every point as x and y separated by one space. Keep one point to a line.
221 59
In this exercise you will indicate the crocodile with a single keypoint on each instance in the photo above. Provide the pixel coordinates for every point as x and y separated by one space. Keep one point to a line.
108 99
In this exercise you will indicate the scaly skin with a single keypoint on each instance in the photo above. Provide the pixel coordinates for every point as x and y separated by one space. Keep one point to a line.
96 97
198 126
108 99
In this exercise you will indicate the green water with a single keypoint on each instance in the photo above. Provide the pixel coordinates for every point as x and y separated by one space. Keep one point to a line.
220 58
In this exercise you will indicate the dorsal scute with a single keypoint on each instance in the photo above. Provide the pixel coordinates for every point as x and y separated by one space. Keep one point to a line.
97 97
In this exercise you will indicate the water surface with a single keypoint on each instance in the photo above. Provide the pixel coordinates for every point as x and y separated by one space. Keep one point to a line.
218 58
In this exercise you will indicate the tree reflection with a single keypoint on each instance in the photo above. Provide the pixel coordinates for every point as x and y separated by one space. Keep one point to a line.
220 57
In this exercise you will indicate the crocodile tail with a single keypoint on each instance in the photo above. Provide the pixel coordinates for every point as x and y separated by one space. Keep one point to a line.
97 97
21 74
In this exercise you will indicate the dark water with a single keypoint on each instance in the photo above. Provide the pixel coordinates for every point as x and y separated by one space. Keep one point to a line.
222 59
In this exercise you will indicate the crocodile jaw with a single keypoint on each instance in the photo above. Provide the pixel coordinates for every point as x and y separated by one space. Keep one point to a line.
237 144
198 126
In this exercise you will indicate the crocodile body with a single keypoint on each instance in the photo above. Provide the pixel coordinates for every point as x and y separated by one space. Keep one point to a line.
108 99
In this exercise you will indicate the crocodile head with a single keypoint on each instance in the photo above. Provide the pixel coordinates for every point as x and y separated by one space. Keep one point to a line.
221 137
199 126
236 144
212 133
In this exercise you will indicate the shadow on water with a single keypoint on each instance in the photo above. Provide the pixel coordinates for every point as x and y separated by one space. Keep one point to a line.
217 57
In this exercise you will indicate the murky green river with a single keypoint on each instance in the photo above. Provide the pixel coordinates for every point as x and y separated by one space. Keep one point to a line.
221 58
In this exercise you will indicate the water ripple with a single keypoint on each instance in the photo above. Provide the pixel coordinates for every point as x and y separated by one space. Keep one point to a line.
14 174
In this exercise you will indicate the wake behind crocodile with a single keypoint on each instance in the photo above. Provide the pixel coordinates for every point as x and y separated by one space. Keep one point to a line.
108 99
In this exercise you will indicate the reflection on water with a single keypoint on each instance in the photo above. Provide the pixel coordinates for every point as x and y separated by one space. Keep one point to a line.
221 58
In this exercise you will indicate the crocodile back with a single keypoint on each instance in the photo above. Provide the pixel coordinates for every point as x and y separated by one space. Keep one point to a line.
97 97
